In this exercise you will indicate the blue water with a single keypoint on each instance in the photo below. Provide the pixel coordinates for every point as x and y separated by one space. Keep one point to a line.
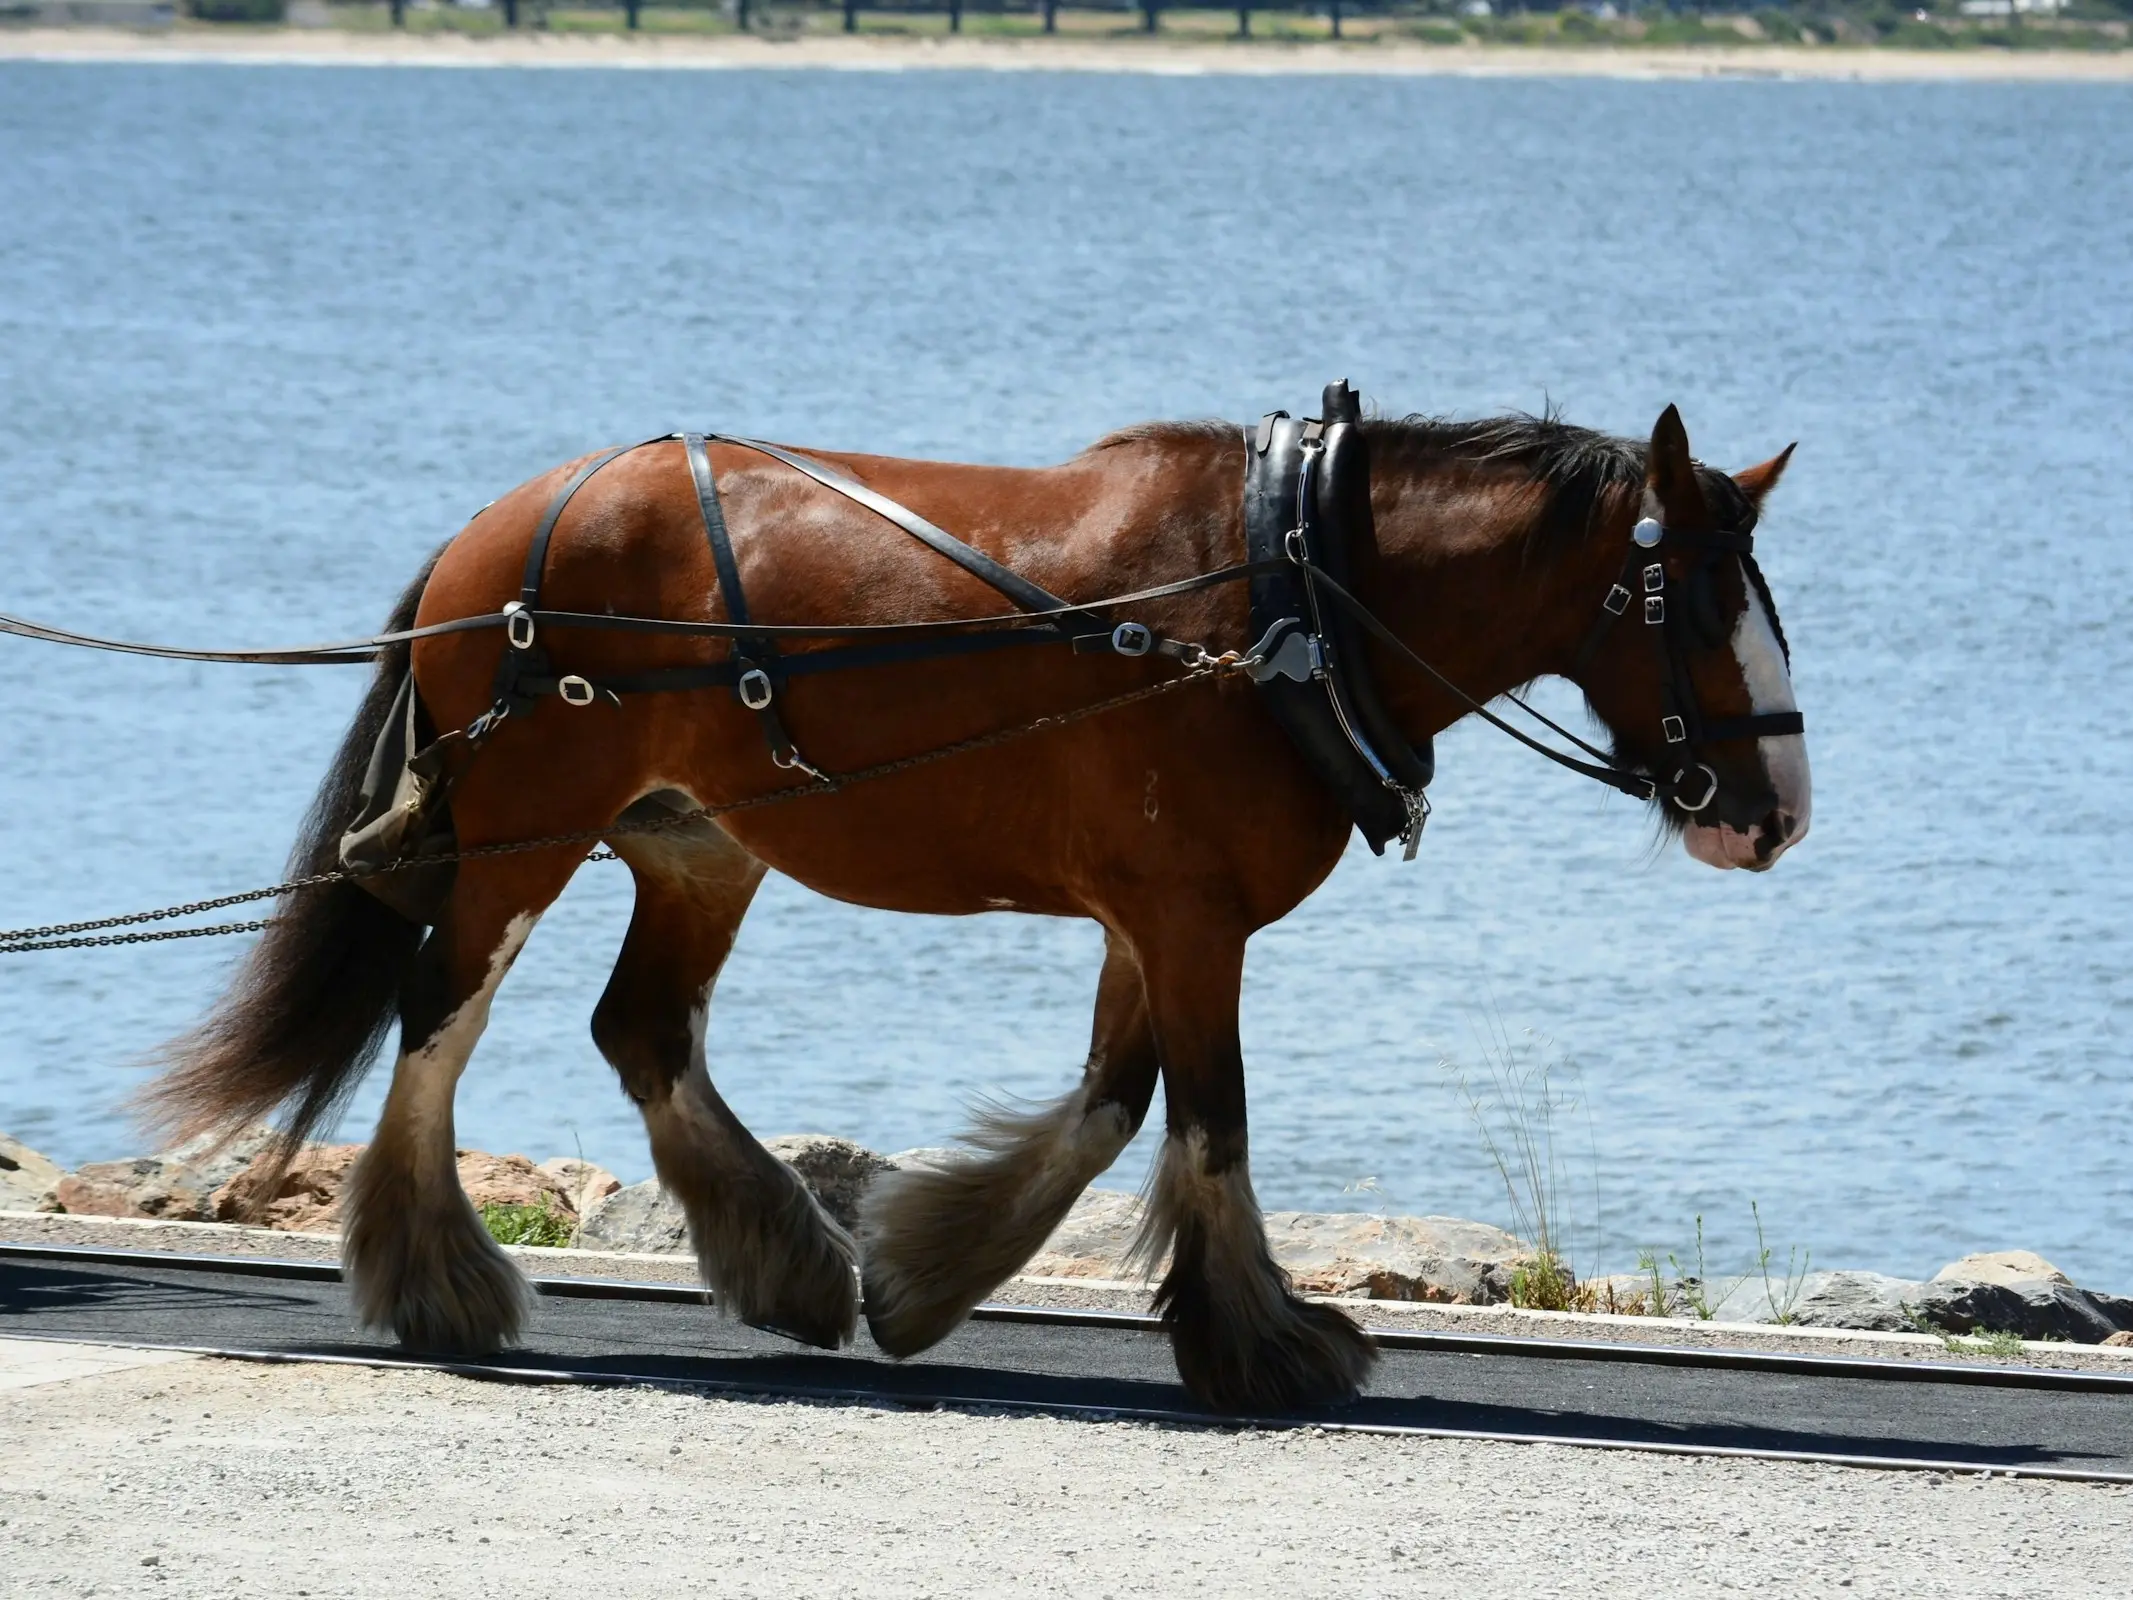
267 335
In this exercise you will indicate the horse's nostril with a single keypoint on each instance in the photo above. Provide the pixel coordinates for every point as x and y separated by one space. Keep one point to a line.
1783 822
1770 835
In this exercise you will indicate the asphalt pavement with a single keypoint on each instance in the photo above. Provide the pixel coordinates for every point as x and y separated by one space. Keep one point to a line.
2063 1423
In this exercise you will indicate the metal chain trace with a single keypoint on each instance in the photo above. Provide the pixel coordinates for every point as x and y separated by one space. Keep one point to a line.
60 935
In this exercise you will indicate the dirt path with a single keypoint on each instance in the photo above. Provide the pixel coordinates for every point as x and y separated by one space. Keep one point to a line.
206 1478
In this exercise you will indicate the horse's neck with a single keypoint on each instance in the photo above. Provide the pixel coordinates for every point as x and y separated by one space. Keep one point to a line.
1457 576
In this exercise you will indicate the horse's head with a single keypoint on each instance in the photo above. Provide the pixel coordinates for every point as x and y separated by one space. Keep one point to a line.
1692 673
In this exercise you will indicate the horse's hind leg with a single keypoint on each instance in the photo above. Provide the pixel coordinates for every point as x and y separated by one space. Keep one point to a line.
417 1258
937 1241
766 1249
1242 1340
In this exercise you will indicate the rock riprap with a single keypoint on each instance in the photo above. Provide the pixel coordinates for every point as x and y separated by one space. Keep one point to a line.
1440 1260
25 1176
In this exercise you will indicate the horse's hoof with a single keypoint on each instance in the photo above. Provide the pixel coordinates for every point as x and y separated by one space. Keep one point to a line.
1307 1355
812 1298
903 1327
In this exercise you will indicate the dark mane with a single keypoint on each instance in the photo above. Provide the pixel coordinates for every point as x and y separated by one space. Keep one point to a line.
1580 467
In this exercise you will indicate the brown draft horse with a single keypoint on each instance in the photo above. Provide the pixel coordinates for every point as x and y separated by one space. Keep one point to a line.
1181 824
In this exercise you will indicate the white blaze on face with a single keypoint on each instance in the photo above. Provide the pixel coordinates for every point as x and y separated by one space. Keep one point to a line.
1762 669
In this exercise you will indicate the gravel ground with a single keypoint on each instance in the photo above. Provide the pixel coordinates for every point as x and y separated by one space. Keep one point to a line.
210 1478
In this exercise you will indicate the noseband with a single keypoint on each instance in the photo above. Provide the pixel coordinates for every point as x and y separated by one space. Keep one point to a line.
1687 732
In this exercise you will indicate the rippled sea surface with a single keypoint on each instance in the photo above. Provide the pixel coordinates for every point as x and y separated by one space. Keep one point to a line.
268 335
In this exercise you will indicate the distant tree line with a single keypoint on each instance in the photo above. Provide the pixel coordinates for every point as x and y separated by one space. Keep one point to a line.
1870 17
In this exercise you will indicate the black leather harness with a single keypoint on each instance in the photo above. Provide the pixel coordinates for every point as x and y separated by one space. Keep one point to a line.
1306 510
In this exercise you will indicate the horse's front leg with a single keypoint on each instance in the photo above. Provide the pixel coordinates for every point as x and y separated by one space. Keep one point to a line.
417 1258
937 1241
769 1252
1242 1340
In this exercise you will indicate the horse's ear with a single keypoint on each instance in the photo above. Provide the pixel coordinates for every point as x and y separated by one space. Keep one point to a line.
1755 482
1671 472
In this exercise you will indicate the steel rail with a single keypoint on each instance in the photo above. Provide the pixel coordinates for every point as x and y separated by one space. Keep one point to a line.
1787 1363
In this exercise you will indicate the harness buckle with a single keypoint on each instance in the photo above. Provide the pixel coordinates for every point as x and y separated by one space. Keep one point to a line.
576 691
1296 546
1617 601
1132 639
1654 578
753 686
1676 731
518 625
1654 609
1417 804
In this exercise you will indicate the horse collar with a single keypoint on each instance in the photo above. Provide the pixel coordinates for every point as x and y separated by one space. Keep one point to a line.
1306 507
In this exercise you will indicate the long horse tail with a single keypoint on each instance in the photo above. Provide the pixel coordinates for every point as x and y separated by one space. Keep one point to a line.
304 1016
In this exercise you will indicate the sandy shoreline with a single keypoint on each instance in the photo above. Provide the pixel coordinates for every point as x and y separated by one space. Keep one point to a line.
309 47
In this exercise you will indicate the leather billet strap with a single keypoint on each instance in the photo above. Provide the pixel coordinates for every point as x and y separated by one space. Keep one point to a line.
755 662
1306 508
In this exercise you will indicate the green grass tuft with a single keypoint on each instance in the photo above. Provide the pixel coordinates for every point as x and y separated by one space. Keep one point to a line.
535 1225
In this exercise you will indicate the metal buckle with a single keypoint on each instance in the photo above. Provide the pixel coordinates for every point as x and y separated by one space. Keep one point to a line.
1296 546
518 625
1417 804
1654 578
1131 639
1710 792
576 691
1655 609
1617 600
1647 533
1674 728
753 686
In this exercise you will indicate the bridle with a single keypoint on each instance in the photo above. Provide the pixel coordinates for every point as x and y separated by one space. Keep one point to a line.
1691 619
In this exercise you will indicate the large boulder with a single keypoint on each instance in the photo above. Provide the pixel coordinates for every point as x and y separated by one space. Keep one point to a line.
303 1197
644 1218
2001 1291
1872 1301
1441 1259
176 1185
512 1181
584 1183
2019 1292
1445 1260
836 1171
26 1177
2000 1266
641 1219
1094 1238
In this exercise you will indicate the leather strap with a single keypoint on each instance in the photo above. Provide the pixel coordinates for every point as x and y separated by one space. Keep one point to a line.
529 589
1028 595
752 654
